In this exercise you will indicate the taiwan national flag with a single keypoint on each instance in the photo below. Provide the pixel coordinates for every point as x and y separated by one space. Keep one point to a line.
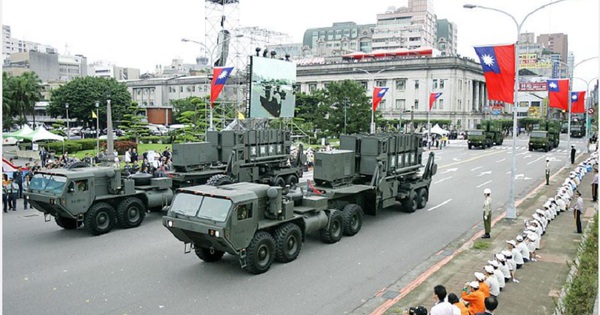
220 75
378 94
578 102
432 98
498 63
558 93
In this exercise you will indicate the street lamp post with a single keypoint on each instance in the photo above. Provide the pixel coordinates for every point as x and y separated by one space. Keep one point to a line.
588 105
345 114
511 211
68 128
372 75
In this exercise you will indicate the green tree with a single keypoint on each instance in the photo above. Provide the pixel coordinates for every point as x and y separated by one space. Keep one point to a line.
133 122
19 95
82 94
193 111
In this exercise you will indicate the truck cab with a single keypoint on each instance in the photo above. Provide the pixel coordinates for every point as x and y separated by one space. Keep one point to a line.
540 139
478 138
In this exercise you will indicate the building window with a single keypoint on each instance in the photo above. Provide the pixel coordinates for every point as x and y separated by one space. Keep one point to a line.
400 104
401 85
416 105
435 83
460 85
181 89
382 104
312 87
442 83
380 82
416 84
440 104
459 105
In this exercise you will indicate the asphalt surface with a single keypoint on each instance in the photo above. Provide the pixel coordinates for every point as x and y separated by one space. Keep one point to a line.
541 283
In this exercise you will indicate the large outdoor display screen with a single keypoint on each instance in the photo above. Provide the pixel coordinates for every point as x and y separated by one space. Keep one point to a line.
272 88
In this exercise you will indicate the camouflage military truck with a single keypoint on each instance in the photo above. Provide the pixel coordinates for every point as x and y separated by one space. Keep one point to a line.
489 133
493 130
259 156
261 223
577 129
478 138
545 136
97 198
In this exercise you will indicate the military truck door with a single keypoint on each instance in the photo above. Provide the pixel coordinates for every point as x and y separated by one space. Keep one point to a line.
243 225
78 197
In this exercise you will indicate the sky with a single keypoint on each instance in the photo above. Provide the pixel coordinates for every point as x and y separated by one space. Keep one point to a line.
142 34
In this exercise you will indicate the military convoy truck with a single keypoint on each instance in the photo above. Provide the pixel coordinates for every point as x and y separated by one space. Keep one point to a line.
545 136
259 156
261 223
489 133
97 198
577 129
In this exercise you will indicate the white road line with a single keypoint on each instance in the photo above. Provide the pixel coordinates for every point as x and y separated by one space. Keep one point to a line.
441 180
489 181
476 168
502 160
539 158
441 204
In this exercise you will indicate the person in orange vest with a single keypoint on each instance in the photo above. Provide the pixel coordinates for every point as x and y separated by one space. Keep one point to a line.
483 286
474 297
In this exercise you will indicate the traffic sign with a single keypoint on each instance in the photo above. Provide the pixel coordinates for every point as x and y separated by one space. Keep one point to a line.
590 111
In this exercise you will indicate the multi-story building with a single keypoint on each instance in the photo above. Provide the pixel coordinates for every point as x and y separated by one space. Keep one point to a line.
464 96
408 27
338 39
447 38
48 67
558 43
107 70
12 45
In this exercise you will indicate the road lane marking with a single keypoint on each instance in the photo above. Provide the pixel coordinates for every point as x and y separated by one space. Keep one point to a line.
476 168
441 204
449 170
441 180
489 181
539 158
485 173
471 159
501 160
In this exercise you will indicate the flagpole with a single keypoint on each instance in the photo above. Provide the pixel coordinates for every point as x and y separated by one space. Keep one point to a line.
211 118
97 128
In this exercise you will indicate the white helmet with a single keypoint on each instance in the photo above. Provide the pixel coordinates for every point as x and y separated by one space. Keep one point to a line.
487 191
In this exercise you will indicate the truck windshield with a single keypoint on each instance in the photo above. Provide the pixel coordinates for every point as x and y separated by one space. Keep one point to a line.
475 133
202 207
48 183
538 134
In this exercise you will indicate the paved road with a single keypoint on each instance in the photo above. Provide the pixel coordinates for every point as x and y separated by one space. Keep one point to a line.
144 271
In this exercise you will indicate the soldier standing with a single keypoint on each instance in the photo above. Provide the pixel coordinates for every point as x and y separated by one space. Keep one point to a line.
487 212
578 210
547 171
573 151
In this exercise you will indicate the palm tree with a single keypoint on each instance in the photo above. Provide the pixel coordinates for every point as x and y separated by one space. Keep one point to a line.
20 95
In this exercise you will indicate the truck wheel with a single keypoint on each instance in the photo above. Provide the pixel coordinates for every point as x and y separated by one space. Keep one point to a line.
288 242
546 148
220 179
66 223
353 216
291 180
209 254
530 148
332 233
410 202
422 197
470 146
260 253
100 218
130 213
278 181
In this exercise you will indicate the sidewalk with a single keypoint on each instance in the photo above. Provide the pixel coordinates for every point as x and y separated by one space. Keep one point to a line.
540 282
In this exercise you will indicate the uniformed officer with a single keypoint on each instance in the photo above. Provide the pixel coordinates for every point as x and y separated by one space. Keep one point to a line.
547 171
487 212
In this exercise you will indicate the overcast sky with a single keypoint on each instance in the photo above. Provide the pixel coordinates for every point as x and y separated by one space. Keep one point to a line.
142 34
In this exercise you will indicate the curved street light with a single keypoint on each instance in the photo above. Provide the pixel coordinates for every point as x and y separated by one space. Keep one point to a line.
511 211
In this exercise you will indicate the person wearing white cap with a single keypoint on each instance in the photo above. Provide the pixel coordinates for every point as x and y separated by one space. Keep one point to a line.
522 247
562 205
483 287
498 273
518 258
472 295
487 212
512 266
547 171
491 281
548 211
531 238
503 267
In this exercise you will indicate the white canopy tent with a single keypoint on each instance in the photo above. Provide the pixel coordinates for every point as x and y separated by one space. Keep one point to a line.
19 134
42 134
437 130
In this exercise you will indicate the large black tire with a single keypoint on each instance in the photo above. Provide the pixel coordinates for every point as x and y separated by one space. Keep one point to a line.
100 218
409 204
288 242
209 254
66 223
353 219
332 233
291 180
77 165
260 253
422 198
220 179
547 148
530 148
130 213
279 181
470 146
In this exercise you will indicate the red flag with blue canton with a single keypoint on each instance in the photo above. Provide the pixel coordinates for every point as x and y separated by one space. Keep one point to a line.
498 63
558 93
378 94
220 75
432 98
578 102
